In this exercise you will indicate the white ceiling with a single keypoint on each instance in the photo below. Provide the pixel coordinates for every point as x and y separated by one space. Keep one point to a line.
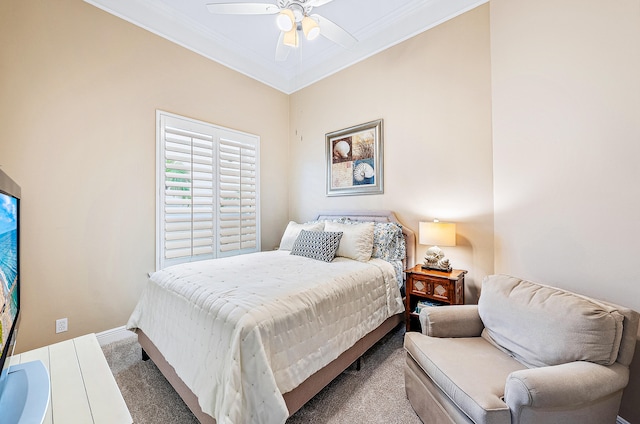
247 43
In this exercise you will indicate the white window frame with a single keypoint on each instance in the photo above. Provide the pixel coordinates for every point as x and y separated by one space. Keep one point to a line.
222 169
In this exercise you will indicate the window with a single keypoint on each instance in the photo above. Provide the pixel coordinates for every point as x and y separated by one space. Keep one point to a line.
207 191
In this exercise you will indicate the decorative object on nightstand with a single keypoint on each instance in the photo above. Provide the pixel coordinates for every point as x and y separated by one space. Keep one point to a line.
436 234
430 288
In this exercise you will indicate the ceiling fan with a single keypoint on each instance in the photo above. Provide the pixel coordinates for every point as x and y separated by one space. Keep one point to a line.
294 16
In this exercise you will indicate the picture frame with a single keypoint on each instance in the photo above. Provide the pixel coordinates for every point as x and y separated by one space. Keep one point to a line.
355 160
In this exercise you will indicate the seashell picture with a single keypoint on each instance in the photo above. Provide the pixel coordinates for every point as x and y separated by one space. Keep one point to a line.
342 150
354 160
363 172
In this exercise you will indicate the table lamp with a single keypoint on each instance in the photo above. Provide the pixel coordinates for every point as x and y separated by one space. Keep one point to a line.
436 234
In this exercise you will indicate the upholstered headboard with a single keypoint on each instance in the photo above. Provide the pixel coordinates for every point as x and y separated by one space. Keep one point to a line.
377 216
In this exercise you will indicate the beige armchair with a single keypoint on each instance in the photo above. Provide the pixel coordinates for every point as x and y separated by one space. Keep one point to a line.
527 353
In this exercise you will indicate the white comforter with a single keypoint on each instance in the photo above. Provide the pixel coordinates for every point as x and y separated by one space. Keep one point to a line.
241 331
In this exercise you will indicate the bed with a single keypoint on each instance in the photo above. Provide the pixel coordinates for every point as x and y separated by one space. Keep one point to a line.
257 336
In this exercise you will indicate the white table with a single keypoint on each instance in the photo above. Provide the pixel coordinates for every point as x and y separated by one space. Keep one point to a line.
83 389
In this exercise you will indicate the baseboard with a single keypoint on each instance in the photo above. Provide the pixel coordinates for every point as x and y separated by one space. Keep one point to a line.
621 420
114 335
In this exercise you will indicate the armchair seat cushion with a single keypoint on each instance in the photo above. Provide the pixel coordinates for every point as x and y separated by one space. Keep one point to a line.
475 383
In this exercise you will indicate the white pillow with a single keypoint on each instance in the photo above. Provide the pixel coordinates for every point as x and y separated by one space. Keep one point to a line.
292 232
357 239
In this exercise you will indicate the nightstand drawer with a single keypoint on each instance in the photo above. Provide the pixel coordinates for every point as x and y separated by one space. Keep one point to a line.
435 288
443 291
421 286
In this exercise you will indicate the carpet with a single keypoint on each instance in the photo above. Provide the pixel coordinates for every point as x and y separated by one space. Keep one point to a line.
373 394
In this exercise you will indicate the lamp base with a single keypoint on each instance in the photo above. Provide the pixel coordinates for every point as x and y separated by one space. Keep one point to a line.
435 260
435 268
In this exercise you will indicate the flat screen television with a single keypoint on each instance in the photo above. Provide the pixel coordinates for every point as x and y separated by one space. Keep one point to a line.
9 259
24 388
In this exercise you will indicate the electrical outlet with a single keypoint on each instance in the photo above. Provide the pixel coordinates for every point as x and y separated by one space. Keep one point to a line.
61 325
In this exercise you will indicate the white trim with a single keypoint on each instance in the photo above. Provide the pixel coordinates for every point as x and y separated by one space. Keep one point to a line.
164 20
114 335
620 420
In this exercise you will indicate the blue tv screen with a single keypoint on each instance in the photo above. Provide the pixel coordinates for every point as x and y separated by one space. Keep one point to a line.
8 266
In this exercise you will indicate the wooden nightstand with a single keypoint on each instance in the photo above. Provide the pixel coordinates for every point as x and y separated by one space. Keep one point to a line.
443 288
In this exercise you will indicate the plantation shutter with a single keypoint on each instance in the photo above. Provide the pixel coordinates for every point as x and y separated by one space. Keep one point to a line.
238 194
207 191
189 195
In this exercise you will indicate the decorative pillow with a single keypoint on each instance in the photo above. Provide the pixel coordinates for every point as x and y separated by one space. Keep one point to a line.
388 241
292 232
320 245
357 239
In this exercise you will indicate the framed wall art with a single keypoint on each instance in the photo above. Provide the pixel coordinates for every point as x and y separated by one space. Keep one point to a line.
354 160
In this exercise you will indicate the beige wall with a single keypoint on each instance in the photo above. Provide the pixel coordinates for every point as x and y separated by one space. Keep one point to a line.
566 141
433 92
566 122
79 92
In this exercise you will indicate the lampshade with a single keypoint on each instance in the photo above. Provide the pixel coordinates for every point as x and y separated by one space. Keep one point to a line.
285 20
438 233
310 28
291 38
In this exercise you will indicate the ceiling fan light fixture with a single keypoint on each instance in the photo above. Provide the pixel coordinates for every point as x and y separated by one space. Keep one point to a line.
285 20
310 28
291 38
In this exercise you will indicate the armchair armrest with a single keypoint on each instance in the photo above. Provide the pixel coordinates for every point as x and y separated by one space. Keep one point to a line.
451 321
569 384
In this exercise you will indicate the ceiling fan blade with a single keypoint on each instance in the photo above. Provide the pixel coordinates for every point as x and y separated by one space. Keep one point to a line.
282 51
334 32
316 3
243 8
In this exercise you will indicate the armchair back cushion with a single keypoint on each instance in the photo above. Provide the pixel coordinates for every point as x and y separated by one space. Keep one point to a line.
541 325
